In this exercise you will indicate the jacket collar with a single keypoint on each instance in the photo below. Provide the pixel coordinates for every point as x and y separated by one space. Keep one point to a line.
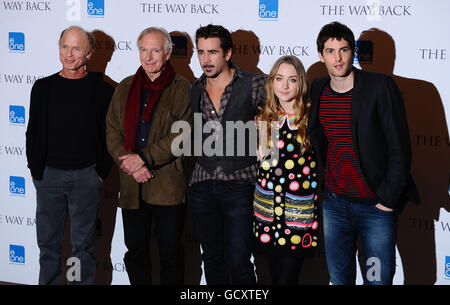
357 82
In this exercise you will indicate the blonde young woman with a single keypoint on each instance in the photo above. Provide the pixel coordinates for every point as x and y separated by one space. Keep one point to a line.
285 225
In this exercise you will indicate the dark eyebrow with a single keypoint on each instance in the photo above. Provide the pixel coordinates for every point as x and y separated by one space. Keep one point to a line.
209 51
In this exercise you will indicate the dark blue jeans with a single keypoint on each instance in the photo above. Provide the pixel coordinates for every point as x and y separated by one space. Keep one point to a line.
61 191
345 219
222 214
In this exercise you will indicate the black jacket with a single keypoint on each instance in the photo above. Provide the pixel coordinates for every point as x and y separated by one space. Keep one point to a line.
380 135
37 135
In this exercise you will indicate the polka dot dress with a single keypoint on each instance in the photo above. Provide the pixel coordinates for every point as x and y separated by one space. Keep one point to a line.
285 203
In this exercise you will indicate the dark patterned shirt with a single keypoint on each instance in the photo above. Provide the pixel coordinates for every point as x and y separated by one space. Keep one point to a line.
209 113
343 175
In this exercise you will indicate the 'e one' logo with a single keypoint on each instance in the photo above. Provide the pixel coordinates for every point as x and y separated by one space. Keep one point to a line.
16 254
17 185
16 115
268 9
96 8
447 266
16 41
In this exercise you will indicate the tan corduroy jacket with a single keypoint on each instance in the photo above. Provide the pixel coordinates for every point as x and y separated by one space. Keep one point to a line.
168 187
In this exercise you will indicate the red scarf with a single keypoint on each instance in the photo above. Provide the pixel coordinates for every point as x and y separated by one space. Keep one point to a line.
132 107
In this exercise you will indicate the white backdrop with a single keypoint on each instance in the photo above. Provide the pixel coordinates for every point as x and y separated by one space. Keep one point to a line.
410 43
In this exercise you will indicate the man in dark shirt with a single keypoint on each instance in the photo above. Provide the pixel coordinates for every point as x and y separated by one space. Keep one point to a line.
359 129
67 157
222 185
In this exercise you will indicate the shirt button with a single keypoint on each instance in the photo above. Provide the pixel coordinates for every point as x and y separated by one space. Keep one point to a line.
212 111
143 140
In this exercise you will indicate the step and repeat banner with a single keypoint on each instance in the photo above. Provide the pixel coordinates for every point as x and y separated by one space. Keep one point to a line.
407 39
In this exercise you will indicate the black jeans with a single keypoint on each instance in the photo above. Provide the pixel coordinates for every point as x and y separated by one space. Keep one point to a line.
222 214
137 227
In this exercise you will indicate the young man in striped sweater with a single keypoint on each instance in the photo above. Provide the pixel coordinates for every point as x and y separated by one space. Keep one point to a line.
359 128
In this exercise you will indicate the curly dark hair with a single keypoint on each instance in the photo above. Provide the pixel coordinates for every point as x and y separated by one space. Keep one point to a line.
338 31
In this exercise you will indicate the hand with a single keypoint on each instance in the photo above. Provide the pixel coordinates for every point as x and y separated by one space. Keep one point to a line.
142 175
383 208
131 163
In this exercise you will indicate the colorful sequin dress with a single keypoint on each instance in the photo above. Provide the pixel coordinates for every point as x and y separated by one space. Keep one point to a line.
285 204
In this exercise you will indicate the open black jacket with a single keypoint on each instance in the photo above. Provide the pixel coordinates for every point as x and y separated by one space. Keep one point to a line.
37 135
380 135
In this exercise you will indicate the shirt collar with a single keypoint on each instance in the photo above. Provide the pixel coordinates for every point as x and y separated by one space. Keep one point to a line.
290 119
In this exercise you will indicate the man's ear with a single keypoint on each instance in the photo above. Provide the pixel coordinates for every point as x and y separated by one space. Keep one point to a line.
228 54
169 54
89 55
321 57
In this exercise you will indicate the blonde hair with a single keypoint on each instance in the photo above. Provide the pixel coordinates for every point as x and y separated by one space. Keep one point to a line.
302 102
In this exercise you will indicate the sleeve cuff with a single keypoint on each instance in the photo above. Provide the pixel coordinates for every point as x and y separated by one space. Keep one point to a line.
147 164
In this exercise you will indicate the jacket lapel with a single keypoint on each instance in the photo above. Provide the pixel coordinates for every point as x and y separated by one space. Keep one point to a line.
315 129
357 101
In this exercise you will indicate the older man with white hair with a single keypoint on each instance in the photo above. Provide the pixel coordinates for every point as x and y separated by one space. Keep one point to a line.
152 184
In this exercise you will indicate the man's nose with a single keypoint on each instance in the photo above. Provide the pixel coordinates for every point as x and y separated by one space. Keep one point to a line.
206 57
148 56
